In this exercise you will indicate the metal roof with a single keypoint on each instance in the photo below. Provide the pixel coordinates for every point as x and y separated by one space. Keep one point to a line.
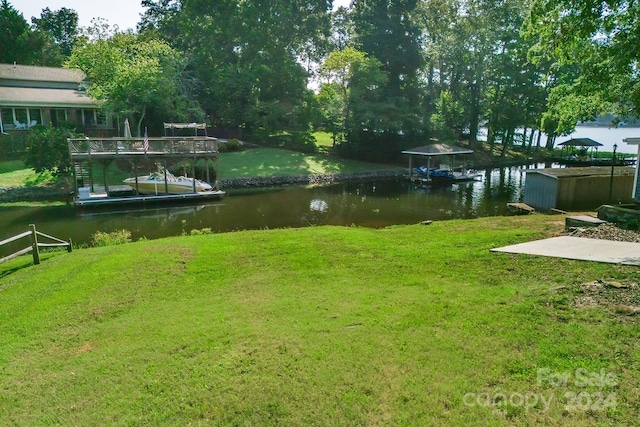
581 142
438 150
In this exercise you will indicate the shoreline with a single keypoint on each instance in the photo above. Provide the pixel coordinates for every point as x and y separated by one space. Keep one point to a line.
64 192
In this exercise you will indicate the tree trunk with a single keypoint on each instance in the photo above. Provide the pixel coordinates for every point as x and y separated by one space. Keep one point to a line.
139 125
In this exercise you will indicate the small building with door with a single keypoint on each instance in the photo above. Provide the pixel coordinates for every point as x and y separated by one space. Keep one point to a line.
31 95
578 188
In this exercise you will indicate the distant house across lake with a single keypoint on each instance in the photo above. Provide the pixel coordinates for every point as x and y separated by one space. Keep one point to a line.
31 96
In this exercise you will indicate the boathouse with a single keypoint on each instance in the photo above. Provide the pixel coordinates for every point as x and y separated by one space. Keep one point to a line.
578 188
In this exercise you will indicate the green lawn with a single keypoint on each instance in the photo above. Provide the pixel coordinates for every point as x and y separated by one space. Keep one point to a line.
263 162
411 325
323 139
14 174
258 162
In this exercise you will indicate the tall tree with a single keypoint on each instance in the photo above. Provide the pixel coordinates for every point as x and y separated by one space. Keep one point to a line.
387 31
17 43
600 40
62 25
248 56
132 76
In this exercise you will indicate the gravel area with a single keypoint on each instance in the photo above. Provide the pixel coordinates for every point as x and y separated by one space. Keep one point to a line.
606 231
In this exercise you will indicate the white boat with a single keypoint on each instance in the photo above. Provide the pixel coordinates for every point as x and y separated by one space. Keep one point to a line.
155 183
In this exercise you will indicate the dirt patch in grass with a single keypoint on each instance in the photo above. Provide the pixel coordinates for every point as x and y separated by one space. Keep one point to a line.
622 298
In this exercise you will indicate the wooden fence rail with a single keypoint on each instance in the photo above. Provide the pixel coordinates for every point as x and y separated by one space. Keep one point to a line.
35 245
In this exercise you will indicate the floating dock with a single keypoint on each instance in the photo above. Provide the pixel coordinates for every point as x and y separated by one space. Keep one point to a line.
102 199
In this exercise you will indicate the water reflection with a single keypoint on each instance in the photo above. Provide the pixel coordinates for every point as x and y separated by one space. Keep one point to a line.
368 204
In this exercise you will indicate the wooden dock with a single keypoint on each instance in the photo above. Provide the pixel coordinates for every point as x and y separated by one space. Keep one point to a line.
138 152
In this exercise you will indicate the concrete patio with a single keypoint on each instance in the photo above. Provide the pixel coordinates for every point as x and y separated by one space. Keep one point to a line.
579 248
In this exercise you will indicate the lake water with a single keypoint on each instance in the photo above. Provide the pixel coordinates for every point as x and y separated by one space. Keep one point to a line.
367 204
370 204
606 136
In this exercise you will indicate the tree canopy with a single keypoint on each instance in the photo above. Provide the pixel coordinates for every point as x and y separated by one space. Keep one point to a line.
381 76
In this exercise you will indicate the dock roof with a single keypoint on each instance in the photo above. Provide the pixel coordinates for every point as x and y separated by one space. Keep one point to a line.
439 149
581 142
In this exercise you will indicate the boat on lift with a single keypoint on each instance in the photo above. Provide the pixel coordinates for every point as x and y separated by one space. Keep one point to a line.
164 182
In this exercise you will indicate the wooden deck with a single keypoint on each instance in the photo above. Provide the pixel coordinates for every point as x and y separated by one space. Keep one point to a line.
85 151
132 148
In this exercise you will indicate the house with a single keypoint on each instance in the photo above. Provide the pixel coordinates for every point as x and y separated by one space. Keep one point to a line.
31 95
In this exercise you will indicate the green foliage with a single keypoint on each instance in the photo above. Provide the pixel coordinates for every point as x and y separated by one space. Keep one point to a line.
119 237
47 150
599 39
61 25
303 142
448 117
230 146
132 75
17 43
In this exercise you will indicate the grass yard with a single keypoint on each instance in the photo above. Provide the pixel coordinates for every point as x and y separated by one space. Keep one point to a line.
264 162
410 325
13 173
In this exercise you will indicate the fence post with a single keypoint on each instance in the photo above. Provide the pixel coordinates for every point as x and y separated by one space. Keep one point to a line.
34 241
70 248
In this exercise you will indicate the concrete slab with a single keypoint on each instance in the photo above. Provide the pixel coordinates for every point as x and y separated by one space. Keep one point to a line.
580 248
582 221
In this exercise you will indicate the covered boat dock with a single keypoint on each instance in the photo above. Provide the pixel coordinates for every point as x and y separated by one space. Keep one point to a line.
435 150
85 152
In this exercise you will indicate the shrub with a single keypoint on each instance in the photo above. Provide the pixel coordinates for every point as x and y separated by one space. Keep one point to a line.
231 145
303 142
47 150
117 237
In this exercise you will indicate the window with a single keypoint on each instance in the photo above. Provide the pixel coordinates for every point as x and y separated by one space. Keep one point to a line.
7 118
35 115
58 116
21 115
89 117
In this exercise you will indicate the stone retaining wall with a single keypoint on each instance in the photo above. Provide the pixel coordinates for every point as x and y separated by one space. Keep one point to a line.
316 179
19 194
627 215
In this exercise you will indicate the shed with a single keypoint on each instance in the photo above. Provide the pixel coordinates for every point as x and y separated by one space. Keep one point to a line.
636 190
577 188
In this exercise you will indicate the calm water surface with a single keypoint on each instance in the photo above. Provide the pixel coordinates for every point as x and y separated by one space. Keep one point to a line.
367 204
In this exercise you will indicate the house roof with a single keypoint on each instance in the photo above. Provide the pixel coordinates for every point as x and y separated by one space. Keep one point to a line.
437 150
40 74
42 97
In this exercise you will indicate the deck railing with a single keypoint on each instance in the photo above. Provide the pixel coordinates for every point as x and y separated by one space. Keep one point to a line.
79 147
35 245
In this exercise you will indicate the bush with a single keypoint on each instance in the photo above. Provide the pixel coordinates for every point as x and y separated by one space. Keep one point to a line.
117 237
303 142
47 150
231 145
13 147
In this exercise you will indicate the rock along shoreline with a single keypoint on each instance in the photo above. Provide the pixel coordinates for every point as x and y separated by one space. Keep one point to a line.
64 193
314 179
